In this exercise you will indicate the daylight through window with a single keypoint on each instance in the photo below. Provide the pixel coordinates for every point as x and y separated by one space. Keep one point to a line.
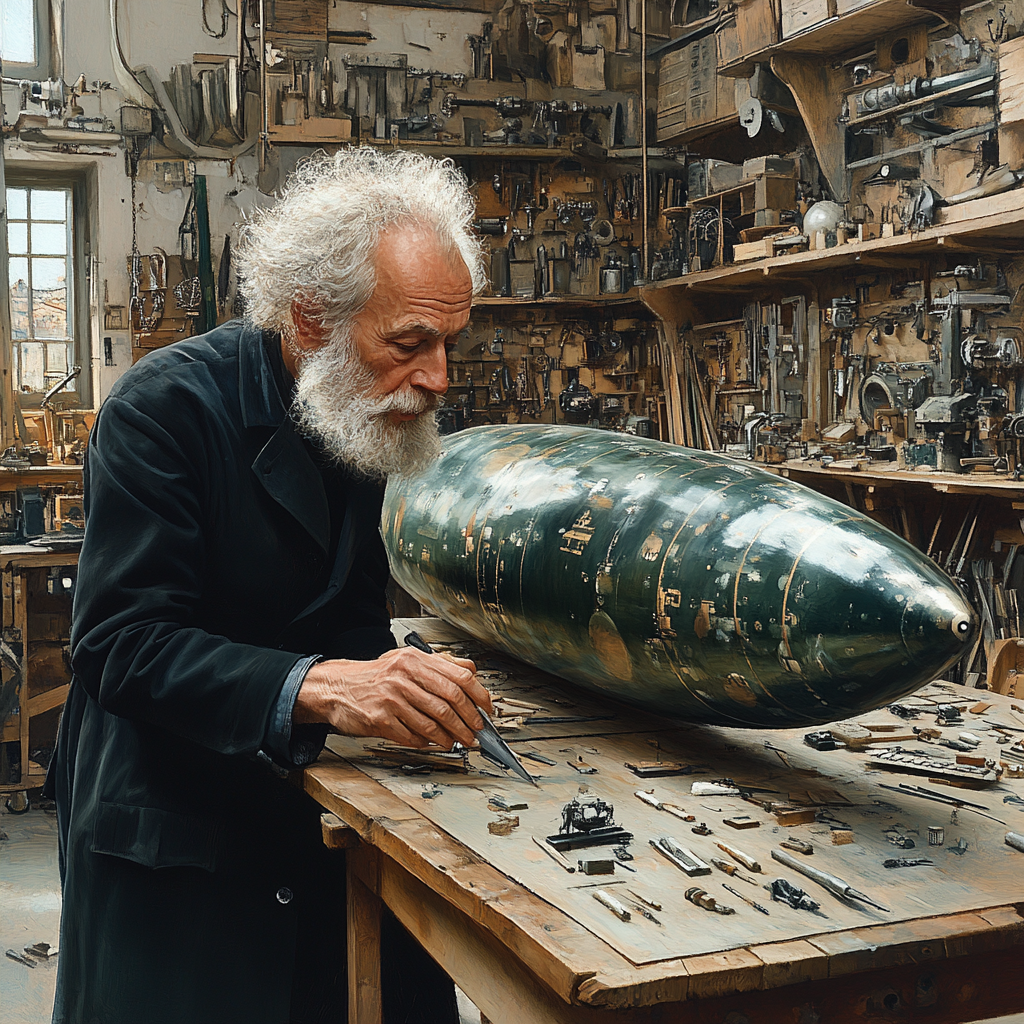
18 32
39 241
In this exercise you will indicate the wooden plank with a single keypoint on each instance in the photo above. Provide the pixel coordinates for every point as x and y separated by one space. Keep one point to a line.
337 835
363 913
47 700
787 963
724 974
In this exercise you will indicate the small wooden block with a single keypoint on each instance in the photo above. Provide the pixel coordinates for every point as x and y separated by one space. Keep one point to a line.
743 821
841 836
980 708
794 815
338 835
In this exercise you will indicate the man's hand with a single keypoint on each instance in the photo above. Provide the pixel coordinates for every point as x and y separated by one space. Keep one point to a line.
405 695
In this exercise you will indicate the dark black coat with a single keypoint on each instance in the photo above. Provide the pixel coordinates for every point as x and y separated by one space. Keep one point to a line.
191 867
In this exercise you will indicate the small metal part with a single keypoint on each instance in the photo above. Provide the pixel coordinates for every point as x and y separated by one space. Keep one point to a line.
753 903
644 912
902 711
653 904
742 821
792 843
534 756
961 847
701 898
900 840
561 861
936 835
905 862
750 863
1014 839
596 867
504 804
786 892
834 885
683 858
821 740
622 853
948 714
612 904
701 830
16 956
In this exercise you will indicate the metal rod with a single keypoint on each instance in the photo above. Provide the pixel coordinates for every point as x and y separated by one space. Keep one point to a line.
918 147
264 98
643 135
835 885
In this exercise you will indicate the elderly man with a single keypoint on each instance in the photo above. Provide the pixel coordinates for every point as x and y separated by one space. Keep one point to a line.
230 613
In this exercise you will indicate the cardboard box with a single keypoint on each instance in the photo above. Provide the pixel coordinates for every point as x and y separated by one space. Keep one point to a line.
800 15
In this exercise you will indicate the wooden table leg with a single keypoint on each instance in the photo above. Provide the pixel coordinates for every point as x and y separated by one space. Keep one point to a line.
21 618
364 913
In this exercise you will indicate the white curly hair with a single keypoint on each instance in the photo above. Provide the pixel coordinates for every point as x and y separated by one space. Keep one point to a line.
318 242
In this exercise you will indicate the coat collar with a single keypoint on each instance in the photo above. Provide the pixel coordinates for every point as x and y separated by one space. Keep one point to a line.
283 465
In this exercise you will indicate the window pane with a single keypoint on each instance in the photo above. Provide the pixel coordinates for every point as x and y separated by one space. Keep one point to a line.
49 299
49 204
32 377
17 203
18 31
56 362
18 276
48 238
17 237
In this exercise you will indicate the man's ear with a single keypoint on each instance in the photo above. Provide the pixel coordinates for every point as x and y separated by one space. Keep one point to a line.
310 333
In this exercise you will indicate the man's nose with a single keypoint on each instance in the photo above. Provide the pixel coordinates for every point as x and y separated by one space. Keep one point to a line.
431 372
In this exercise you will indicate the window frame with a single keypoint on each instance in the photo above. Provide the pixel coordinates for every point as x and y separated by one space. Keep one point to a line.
43 64
80 335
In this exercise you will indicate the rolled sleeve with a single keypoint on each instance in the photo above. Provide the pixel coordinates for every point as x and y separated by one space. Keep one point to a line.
289 745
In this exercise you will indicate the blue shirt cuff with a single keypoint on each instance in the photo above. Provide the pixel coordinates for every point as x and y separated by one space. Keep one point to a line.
289 745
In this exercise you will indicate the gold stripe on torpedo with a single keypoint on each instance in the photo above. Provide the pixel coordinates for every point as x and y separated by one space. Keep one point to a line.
680 581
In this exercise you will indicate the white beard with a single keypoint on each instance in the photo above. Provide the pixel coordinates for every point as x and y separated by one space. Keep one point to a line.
336 403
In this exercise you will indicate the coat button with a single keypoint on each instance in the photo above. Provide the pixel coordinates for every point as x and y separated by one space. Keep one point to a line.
284 894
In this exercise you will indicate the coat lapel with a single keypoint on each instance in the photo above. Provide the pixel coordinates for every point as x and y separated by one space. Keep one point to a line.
289 476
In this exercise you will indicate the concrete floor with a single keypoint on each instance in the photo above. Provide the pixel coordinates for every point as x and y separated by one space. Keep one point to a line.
30 913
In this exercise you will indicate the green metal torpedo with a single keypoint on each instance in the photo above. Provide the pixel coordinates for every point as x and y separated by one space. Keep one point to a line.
676 580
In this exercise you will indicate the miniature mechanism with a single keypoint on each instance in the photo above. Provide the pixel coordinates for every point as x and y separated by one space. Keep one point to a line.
823 740
683 858
786 892
702 830
701 898
588 821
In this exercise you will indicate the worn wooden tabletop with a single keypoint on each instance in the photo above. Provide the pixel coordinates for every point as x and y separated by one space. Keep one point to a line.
528 942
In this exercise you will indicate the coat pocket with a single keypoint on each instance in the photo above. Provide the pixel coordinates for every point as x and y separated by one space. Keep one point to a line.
154 838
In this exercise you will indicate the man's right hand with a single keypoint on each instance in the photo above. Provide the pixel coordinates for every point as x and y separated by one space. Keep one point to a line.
405 695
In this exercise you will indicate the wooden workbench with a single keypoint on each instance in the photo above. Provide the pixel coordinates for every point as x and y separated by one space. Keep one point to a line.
517 935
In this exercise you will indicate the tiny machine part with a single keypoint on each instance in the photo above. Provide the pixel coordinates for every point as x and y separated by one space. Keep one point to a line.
821 740
902 711
786 892
588 822
622 853
659 769
731 870
948 714
492 746
555 855
900 840
612 904
539 758
902 760
936 835
905 862
701 830
653 904
750 863
701 898
713 789
792 843
834 885
742 821
596 867
684 859
751 903
1014 839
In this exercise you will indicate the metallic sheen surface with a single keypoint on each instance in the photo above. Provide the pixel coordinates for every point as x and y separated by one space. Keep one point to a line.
676 580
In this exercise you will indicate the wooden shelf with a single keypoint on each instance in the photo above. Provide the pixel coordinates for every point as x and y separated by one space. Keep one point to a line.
841 34
986 224
625 299
874 475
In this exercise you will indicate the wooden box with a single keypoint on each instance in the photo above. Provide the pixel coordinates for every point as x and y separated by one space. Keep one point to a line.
770 192
800 15
758 250
690 92
756 27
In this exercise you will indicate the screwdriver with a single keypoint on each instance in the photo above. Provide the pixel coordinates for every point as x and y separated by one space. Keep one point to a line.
731 870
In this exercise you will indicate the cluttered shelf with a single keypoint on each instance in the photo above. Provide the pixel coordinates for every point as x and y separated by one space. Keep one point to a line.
981 222
622 299
842 32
